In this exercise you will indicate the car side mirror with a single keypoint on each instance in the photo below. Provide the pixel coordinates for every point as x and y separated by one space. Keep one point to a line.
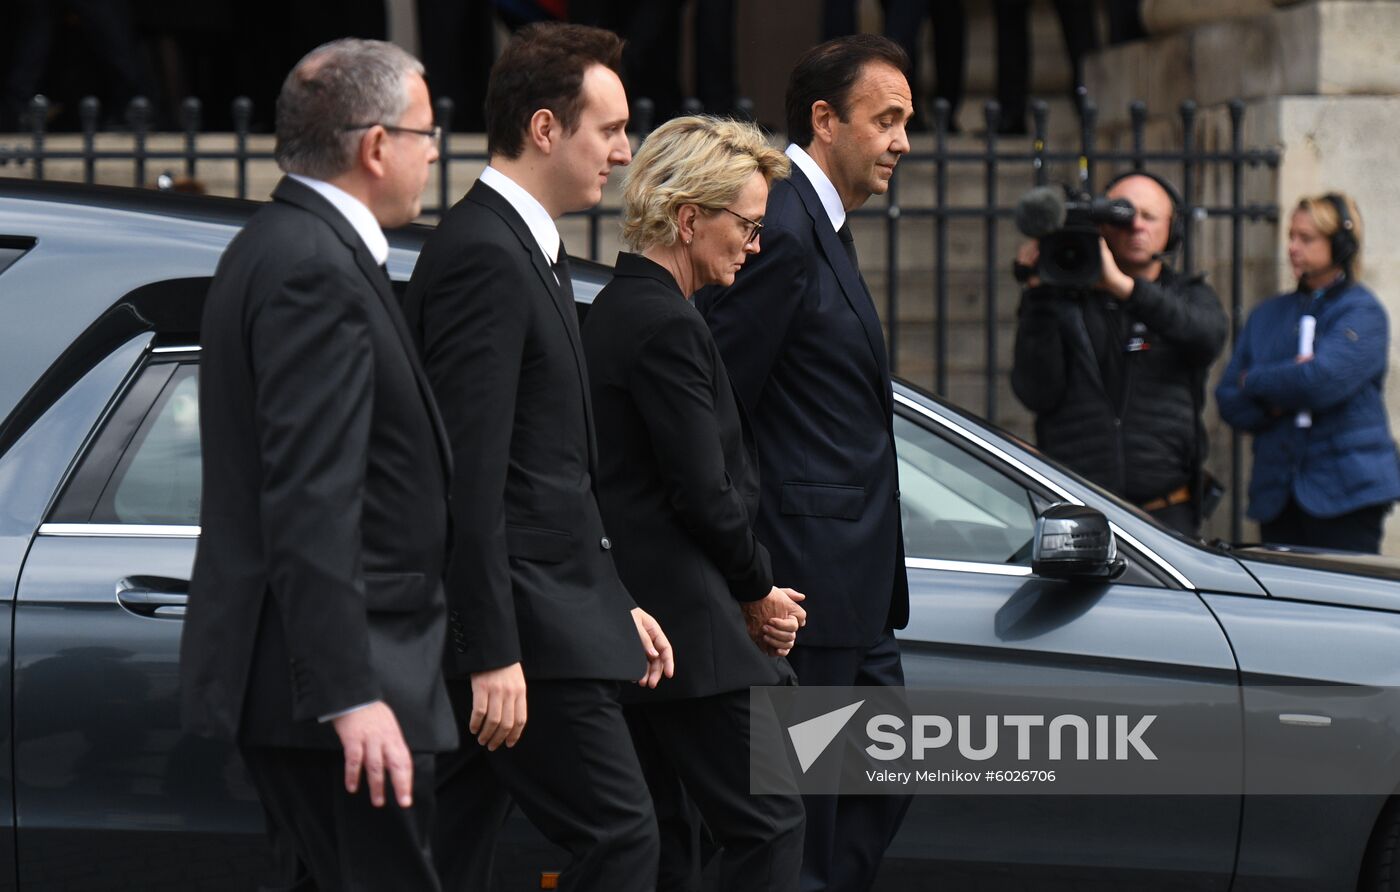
1075 542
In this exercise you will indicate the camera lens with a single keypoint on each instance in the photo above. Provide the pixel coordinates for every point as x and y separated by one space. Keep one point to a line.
1068 257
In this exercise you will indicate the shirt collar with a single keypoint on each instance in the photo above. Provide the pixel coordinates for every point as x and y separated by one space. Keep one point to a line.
831 199
530 210
354 212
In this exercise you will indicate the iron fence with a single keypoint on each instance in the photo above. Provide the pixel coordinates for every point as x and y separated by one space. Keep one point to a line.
989 156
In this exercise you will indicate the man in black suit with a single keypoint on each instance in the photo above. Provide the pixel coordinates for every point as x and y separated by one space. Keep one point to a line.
803 344
316 620
533 594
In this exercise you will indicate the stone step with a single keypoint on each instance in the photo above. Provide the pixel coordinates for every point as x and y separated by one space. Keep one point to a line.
917 303
967 346
917 246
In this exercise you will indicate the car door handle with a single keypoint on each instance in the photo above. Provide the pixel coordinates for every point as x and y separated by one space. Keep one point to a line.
159 596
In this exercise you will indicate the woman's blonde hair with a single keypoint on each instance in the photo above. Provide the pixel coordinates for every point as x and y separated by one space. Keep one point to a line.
699 160
1328 222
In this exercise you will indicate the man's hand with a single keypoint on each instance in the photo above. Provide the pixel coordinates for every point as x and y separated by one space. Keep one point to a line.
1029 255
1111 278
660 660
774 619
372 741
498 706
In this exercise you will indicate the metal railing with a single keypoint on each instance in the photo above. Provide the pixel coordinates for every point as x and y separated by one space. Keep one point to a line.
988 156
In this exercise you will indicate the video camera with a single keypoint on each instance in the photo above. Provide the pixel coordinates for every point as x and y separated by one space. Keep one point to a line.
1066 223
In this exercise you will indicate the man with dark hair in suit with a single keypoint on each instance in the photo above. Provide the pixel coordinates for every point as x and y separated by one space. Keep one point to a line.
534 597
316 621
804 347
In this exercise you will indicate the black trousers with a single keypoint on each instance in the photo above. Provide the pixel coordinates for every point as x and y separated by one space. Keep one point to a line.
1014 52
903 21
847 835
1358 530
457 39
325 839
697 751
575 775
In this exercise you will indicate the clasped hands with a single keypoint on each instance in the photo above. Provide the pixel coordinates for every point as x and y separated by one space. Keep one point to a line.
774 619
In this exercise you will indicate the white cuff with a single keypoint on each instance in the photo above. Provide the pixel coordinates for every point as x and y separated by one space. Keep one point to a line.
330 717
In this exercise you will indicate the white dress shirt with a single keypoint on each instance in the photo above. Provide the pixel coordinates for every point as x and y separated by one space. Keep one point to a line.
831 199
355 212
541 225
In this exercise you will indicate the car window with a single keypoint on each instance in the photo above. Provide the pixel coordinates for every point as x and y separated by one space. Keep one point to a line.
158 478
12 250
956 507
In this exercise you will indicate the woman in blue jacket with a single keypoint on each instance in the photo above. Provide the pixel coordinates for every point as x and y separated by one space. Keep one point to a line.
1306 379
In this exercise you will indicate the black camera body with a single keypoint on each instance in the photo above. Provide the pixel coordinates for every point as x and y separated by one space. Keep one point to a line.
1066 223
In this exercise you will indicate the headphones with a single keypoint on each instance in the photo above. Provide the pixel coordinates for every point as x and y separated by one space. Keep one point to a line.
1177 232
1344 243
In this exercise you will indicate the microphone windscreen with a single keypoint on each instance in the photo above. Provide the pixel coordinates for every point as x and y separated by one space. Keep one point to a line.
1040 212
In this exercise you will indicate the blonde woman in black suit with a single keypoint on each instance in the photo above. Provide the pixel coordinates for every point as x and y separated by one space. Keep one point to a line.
678 488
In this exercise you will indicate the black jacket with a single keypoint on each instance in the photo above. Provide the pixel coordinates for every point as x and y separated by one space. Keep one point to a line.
677 482
806 352
1117 386
310 594
531 578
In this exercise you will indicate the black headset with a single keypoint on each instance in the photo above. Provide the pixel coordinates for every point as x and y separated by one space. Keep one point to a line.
1177 232
1344 242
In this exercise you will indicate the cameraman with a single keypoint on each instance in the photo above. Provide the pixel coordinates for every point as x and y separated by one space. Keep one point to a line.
1116 374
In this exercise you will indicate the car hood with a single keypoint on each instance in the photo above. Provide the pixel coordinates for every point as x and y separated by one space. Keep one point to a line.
1325 577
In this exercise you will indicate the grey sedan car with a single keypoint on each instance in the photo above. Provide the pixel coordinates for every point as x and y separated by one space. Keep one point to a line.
101 290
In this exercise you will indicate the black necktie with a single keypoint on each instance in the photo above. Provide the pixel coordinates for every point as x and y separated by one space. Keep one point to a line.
561 272
848 242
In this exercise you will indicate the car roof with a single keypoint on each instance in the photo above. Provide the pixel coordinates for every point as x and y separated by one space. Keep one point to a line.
88 249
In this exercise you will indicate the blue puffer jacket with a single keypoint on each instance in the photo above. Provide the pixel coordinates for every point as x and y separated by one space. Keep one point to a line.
1347 459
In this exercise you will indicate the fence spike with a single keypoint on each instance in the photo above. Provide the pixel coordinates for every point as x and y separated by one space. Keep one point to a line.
191 110
942 112
645 117
991 112
89 111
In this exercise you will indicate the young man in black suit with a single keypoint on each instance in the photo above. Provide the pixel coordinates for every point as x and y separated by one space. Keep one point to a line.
315 623
804 347
533 594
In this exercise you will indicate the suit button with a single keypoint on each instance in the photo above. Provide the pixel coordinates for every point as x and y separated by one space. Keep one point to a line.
605 543
896 495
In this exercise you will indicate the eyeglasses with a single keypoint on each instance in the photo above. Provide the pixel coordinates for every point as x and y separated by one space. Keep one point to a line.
753 233
435 134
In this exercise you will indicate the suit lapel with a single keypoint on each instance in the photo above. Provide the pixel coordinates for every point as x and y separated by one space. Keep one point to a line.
291 191
852 285
558 298
391 306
